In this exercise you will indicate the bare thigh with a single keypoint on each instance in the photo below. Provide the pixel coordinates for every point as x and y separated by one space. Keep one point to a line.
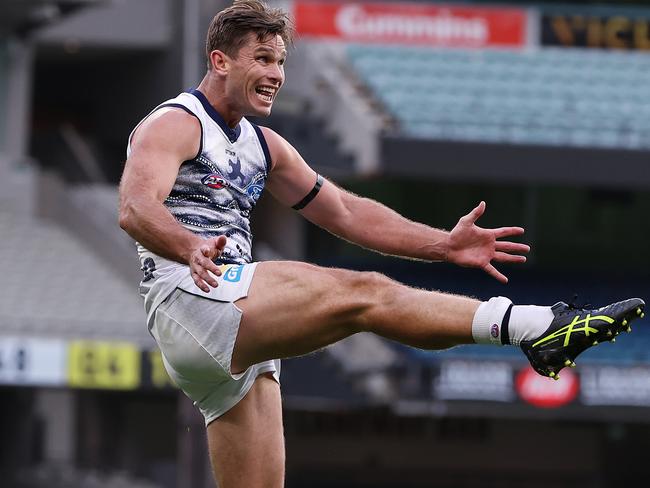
295 308
292 309
247 443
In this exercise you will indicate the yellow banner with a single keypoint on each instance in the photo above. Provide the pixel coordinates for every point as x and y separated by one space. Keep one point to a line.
105 365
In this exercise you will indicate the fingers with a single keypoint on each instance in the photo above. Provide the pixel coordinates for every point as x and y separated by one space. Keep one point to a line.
214 247
492 271
202 280
220 243
512 247
503 257
507 231
203 268
476 213
203 271
206 261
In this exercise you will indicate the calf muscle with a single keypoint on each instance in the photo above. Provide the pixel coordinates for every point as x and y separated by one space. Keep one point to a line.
247 443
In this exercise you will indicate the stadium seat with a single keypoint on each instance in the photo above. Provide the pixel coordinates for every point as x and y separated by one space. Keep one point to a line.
558 97
42 257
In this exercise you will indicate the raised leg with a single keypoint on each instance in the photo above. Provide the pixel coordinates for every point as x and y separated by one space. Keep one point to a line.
296 308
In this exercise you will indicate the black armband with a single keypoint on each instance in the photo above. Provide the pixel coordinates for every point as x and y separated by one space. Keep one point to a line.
311 195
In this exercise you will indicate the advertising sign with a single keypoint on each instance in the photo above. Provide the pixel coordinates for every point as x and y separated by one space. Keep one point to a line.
505 381
115 366
417 23
104 365
30 361
614 32
474 380
612 385
545 393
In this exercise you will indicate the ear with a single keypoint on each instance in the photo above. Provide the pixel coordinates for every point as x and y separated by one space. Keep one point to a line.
220 61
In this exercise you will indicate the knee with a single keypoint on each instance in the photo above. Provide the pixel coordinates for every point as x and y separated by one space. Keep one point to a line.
367 284
368 293
375 284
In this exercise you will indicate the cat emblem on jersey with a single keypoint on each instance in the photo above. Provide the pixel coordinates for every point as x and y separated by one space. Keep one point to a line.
235 171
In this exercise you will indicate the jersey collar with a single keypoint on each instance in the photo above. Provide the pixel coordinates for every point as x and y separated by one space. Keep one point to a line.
231 134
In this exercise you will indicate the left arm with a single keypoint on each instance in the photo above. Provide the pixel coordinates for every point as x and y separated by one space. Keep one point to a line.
370 224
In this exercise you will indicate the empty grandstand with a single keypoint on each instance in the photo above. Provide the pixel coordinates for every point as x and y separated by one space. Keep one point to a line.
555 96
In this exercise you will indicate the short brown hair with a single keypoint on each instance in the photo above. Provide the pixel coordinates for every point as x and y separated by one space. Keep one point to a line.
230 27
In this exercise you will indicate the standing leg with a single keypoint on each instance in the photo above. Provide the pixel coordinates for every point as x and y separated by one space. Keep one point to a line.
246 443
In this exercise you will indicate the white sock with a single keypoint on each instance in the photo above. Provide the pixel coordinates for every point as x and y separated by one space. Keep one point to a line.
486 325
526 321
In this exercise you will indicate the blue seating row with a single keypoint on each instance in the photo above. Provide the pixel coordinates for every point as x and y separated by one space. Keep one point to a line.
566 97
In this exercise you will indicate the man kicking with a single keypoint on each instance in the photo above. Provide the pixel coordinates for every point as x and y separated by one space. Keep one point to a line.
195 169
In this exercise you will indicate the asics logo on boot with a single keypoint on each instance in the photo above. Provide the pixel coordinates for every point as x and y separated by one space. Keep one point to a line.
572 327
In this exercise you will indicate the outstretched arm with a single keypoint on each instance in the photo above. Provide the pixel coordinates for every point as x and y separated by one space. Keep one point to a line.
372 225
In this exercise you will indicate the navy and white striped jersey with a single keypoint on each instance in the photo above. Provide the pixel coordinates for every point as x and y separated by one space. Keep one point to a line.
215 192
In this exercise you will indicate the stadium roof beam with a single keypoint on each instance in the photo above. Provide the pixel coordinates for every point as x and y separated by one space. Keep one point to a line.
512 163
21 17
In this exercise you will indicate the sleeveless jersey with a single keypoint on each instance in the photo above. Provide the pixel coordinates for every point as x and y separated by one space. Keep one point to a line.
214 193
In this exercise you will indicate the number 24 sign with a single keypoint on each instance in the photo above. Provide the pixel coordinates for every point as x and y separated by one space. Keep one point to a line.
105 365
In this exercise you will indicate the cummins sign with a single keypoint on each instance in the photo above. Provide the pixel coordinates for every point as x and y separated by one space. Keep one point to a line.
405 23
355 21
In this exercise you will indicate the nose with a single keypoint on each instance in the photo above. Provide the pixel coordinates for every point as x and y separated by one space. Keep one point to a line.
276 74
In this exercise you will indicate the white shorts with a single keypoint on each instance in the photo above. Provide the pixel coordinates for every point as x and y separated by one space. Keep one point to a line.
196 333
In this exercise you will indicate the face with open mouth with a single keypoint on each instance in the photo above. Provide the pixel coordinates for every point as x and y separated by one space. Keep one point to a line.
256 75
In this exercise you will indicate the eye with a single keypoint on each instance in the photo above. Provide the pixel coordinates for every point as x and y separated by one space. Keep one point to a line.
282 61
264 58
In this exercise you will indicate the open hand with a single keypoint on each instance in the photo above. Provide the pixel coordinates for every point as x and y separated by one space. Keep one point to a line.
473 246
202 265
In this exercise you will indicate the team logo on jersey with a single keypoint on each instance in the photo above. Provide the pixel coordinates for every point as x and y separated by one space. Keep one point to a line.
215 181
254 191
235 171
